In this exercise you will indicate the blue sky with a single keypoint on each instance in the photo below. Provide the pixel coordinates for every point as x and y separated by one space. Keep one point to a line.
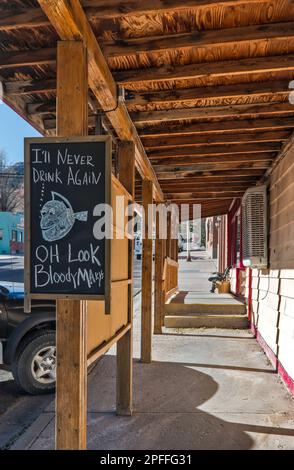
13 129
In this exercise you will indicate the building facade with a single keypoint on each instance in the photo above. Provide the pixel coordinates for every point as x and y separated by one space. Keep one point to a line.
11 233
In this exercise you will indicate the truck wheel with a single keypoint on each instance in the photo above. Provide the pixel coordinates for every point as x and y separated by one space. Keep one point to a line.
34 368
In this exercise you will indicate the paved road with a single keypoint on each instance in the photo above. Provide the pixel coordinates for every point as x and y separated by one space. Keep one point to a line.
11 268
17 410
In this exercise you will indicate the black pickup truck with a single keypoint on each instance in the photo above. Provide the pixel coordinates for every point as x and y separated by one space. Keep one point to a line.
27 341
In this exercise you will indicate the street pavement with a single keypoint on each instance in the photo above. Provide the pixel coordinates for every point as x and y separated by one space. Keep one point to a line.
18 410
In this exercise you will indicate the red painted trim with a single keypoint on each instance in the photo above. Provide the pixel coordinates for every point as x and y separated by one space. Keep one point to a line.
288 381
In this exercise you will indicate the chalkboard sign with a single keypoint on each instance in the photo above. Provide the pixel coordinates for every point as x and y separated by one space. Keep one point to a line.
65 180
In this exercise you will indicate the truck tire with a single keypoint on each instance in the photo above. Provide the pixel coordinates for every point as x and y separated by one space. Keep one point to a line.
34 366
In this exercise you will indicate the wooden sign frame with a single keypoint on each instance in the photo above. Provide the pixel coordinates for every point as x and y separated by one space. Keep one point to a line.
108 183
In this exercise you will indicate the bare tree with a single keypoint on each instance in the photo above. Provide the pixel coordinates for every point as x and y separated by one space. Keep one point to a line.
11 187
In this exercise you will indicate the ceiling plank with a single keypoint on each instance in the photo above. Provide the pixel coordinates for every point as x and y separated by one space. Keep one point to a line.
219 127
70 23
185 95
22 18
199 39
211 173
24 58
196 140
116 8
233 111
106 9
214 160
30 87
230 149
214 167
168 73
204 180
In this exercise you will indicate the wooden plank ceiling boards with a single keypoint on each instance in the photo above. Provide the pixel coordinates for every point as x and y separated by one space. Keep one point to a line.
207 84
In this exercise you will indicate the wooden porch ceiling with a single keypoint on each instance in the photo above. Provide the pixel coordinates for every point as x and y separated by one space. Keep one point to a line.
207 84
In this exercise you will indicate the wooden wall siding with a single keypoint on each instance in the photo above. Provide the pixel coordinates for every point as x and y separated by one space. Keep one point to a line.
281 214
193 68
273 312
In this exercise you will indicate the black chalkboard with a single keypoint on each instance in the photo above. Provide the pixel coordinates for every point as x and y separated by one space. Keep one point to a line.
65 180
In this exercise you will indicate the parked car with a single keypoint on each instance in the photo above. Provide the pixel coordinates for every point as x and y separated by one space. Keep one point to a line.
27 347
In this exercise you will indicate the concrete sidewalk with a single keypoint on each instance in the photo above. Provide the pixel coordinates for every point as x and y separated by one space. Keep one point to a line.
193 276
206 389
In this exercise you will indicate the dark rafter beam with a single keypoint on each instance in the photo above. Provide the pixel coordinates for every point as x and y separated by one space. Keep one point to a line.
230 149
199 39
30 87
213 139
219 127
186 95
15 59
204 70
213 167
106 9
213 112
259 158
210 173
22 18
230 179
194 197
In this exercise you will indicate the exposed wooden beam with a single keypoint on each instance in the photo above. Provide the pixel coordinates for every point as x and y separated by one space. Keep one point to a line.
116 8
47 107
211 69
185 198
103 9
70 22
30 87
240 90
24 58
199 39
230 149
219 127
211 167
229 179
196 140
194 183
270 109
22 18
209 173
234 160
209 188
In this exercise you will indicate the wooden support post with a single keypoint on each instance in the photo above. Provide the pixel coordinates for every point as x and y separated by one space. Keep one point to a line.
168 239
146 329
158 288
164 251
71 315
124 374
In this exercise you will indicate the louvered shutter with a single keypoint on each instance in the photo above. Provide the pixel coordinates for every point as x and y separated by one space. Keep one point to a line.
254 236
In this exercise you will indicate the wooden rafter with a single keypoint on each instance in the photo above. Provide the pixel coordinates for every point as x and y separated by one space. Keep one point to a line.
165 153
219 127
212 69
69 20
214 139
271 109
199 39
34 17
240 90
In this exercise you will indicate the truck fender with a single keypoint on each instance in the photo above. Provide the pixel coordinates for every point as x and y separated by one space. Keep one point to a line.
36 320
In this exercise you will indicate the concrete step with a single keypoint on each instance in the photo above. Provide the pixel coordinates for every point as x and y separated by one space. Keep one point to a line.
205 309
206 321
